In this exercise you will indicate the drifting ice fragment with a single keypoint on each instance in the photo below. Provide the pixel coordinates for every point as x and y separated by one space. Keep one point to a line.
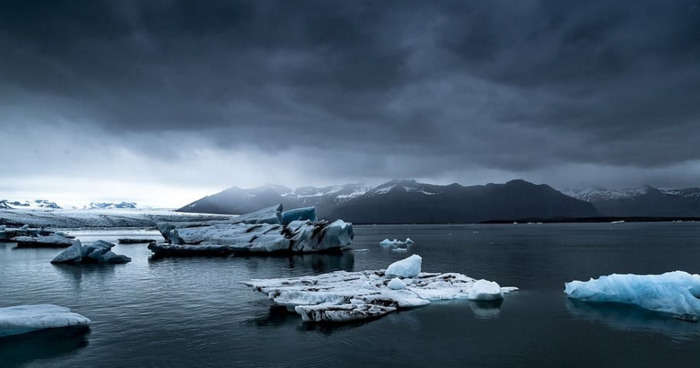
485 290
346 296
672 292
408 267
28 318
387 242
97 252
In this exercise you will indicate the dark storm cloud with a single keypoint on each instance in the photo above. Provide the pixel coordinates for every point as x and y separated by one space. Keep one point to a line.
507 85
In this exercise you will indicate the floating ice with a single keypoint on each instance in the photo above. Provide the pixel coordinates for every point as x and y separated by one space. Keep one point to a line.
672 292
387 242
485 290
408 267
345 296
97 252
28 318
54 240
255 235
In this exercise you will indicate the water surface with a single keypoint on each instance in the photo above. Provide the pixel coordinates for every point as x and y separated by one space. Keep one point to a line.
181 312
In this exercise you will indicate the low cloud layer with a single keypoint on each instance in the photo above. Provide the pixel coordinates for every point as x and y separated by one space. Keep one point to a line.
195 96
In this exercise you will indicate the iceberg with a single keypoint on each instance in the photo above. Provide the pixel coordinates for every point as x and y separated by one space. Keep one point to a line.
343 296
23 319
485 290
674 292
294 233
99 251
408 267
40 241
394 243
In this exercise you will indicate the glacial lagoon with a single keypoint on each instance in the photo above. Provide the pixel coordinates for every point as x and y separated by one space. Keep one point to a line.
180 312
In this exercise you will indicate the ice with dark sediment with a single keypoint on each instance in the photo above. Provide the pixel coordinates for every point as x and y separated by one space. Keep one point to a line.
99 251
343 296
266 231
23 319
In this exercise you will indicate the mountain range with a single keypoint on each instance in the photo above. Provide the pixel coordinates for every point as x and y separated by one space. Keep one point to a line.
645 201
406 201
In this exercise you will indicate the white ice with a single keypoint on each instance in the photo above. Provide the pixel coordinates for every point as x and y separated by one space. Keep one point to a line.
344 296
485 290
408 267
674 292
395 242
28 318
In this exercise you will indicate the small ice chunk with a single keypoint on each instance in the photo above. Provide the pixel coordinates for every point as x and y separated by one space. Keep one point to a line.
407 267
485 290
395 242
28 318
396 284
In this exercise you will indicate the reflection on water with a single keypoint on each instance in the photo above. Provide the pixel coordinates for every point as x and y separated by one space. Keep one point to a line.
486 309
18 350
185 312
628 317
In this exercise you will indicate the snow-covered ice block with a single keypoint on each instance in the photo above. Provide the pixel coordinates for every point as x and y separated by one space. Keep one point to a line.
345 296
485 290
408 267
28 318
674 292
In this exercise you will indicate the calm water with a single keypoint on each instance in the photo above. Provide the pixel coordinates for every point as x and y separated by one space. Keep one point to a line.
194 312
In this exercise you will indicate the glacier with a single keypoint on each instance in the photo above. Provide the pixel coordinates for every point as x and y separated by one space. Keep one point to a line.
267 231
674 292
344 296
23 319
99 251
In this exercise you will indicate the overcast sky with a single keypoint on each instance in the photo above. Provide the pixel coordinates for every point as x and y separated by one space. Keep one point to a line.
162 102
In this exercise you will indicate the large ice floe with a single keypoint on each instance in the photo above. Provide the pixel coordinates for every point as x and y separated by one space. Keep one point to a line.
343 296
23 319
99 251
266 231
675 292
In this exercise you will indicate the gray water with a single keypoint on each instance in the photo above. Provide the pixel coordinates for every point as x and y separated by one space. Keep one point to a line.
194 312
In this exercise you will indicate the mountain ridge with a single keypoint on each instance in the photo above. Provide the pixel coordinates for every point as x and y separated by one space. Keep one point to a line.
405 201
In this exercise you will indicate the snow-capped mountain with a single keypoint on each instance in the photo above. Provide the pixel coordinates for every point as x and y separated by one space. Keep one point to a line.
110 205
645 201
38 203
404 201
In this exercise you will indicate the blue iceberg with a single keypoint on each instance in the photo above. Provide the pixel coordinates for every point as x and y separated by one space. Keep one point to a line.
674 292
